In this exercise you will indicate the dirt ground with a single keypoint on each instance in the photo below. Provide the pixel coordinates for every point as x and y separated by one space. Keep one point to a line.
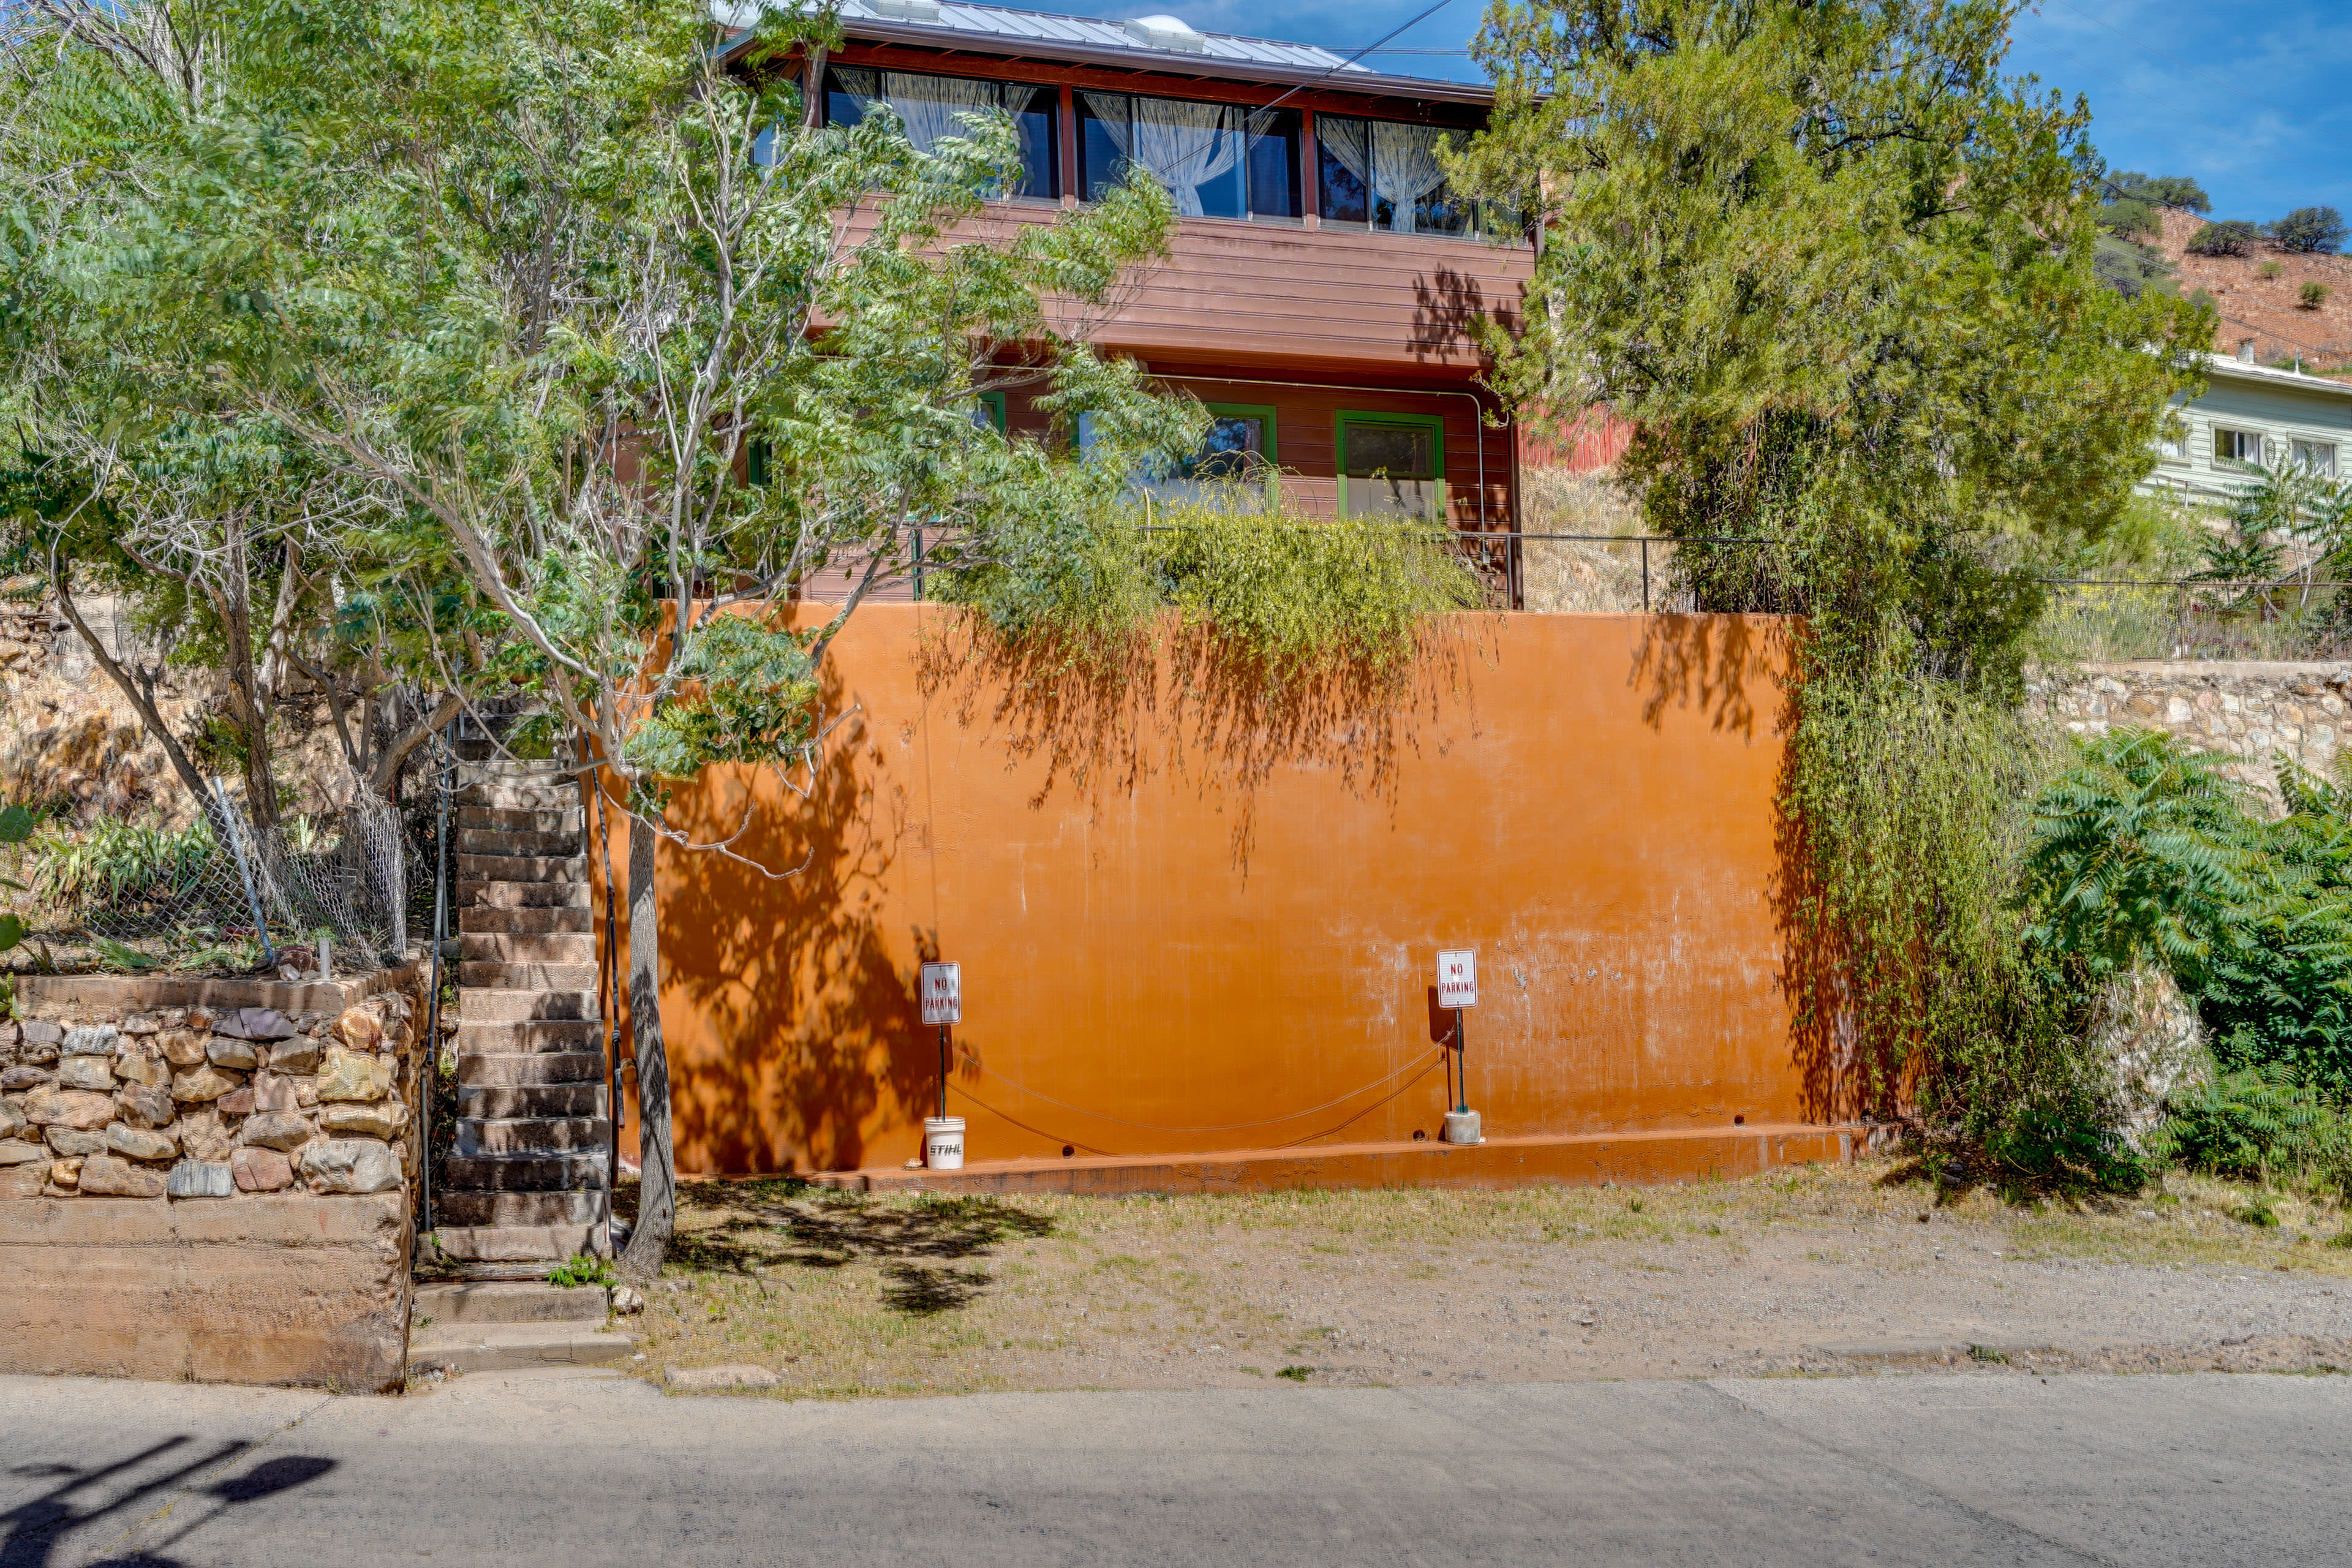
1825 1271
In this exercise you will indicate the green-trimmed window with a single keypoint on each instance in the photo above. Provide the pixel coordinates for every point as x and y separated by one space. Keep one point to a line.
1241 442
1391 465
987 409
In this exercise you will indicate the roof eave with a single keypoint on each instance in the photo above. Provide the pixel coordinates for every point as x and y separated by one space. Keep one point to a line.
1370 84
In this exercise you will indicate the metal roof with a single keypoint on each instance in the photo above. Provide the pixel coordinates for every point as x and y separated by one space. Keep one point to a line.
1138 45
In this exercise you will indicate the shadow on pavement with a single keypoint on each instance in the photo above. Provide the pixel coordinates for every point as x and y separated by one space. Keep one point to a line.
32 1532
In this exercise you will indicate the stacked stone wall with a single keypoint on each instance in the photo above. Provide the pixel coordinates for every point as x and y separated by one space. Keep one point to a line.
2256 714
151 1145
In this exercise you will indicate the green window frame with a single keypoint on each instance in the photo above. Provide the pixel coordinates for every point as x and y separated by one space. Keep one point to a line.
993 401
1434 424
1261 411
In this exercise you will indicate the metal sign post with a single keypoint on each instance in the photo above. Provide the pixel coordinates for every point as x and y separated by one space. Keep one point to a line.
1457 988
943 1005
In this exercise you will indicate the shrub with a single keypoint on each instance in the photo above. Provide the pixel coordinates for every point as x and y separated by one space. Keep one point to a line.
2256 1124
2269 269
120 866
2232 238
2312 296
2310 229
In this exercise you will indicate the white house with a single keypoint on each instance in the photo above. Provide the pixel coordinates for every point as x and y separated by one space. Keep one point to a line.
2252 415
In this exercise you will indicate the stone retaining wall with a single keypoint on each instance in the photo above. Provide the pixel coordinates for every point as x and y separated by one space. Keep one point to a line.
218 1171
2254 713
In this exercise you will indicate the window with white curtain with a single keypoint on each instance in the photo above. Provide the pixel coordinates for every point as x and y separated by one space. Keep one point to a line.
1217 160
1382 176
932 107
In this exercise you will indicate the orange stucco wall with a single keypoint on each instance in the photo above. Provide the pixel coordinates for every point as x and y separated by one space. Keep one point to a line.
1196 928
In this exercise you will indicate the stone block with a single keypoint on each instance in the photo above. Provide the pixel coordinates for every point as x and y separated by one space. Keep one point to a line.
271 1091
299 1055
89 1040
142 1024
65 1173
144 1105
261 1170
202 1136
252 1023
86 1072
275 1130
43 1032
237 1101
20 1077
70 1142
150 1070
183 1047
103 1176
200 1084
12 1119
200 1179
350 1165
705 1379
360 1029
37 1053
354 1075
228 1051
386 1119
69 1107
17 1152
140 1142
23 1182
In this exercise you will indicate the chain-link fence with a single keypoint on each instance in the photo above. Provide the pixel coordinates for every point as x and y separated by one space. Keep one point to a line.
220 895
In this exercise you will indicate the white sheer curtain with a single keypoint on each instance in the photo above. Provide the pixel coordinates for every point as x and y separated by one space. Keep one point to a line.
1187 147
1349 143
932 106
1405 167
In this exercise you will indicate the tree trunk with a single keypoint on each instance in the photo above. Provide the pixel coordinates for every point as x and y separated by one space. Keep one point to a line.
657 1178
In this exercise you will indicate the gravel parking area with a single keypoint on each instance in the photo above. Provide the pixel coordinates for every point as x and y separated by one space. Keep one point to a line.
1844 1270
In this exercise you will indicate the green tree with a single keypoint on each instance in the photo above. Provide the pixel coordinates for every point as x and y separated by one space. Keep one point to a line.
1840 275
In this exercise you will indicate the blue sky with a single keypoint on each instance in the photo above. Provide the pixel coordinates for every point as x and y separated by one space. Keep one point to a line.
2253 99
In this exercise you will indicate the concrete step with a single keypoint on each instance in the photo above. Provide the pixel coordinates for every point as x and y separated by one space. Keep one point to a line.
554 796
490 975
497 1101
519 819
547 1035
513 1006
534 1135
507 1302
525 1172
529 947
491 893
522 867
527 1038
514 1347
508 1210
524 1068
491 920
514 845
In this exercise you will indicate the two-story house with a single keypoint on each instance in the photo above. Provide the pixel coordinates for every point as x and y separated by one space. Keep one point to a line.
2253 415
1323 275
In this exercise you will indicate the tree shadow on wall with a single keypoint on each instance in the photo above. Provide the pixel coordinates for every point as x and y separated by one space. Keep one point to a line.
1712 665
1446 308
1180 697
817 1026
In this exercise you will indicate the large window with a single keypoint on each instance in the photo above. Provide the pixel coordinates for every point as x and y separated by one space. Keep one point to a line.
1393 465
1218 159
931 108
2313 457
2242 448
1382 175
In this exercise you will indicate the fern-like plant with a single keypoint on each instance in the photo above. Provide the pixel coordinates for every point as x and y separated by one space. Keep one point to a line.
2256 1124
2142 848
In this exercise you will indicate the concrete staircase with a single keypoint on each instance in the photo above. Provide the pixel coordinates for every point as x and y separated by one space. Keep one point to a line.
507 1326
529 1181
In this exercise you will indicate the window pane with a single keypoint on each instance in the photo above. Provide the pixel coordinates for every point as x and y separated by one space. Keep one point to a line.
1103 136
1399 451
1235 447
846 93
1343 169
1273 163
1195 150
1034 114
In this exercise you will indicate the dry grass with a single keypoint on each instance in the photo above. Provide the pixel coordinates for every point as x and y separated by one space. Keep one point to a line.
848 1295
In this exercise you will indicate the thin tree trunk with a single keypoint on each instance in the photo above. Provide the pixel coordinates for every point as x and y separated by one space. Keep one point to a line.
657 1178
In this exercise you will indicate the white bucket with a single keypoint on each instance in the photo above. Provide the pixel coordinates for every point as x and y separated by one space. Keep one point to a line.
943 1142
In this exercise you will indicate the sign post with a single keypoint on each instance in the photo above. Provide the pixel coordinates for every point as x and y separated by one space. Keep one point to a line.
943 994
1457 988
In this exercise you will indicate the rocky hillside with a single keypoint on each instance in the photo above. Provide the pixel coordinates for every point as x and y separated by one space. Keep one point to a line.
2269 310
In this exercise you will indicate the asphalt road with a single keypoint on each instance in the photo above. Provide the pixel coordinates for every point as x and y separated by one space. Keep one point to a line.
1943 1469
